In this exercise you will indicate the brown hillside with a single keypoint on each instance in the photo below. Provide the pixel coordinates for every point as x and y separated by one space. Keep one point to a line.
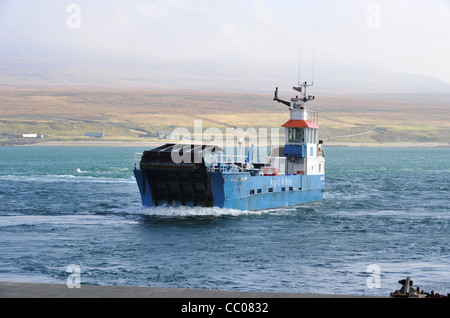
124 113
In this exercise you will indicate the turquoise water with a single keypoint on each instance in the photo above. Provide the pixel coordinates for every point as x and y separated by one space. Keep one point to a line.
73 205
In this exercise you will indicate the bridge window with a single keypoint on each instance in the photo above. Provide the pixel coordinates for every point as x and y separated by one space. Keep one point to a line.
296 135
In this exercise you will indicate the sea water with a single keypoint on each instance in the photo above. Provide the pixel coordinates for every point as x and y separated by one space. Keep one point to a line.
385 216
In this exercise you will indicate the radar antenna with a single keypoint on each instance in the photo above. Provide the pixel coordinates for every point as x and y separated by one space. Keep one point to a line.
302 86
275 98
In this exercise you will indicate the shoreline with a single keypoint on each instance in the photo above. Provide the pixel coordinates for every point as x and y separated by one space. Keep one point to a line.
103 143
96 144
389 145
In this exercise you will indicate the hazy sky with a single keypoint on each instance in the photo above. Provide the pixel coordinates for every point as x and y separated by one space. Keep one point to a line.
404 35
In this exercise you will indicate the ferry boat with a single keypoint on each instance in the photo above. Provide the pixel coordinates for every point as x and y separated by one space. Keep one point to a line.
207 177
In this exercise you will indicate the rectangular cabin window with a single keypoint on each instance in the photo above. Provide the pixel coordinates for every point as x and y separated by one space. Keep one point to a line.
258 191
283 189
252 192
296 135
270 189
291 188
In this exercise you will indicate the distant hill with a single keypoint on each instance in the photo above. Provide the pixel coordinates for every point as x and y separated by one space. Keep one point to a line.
107 72
67 113
64 98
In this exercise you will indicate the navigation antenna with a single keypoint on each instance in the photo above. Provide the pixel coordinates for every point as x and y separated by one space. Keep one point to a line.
313 64
302 86
299 83
299 64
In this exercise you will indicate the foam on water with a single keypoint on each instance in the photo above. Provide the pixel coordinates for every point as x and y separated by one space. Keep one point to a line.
186 211
81 220
49 178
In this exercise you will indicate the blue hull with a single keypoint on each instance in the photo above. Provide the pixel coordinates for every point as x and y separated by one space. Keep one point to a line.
242 191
